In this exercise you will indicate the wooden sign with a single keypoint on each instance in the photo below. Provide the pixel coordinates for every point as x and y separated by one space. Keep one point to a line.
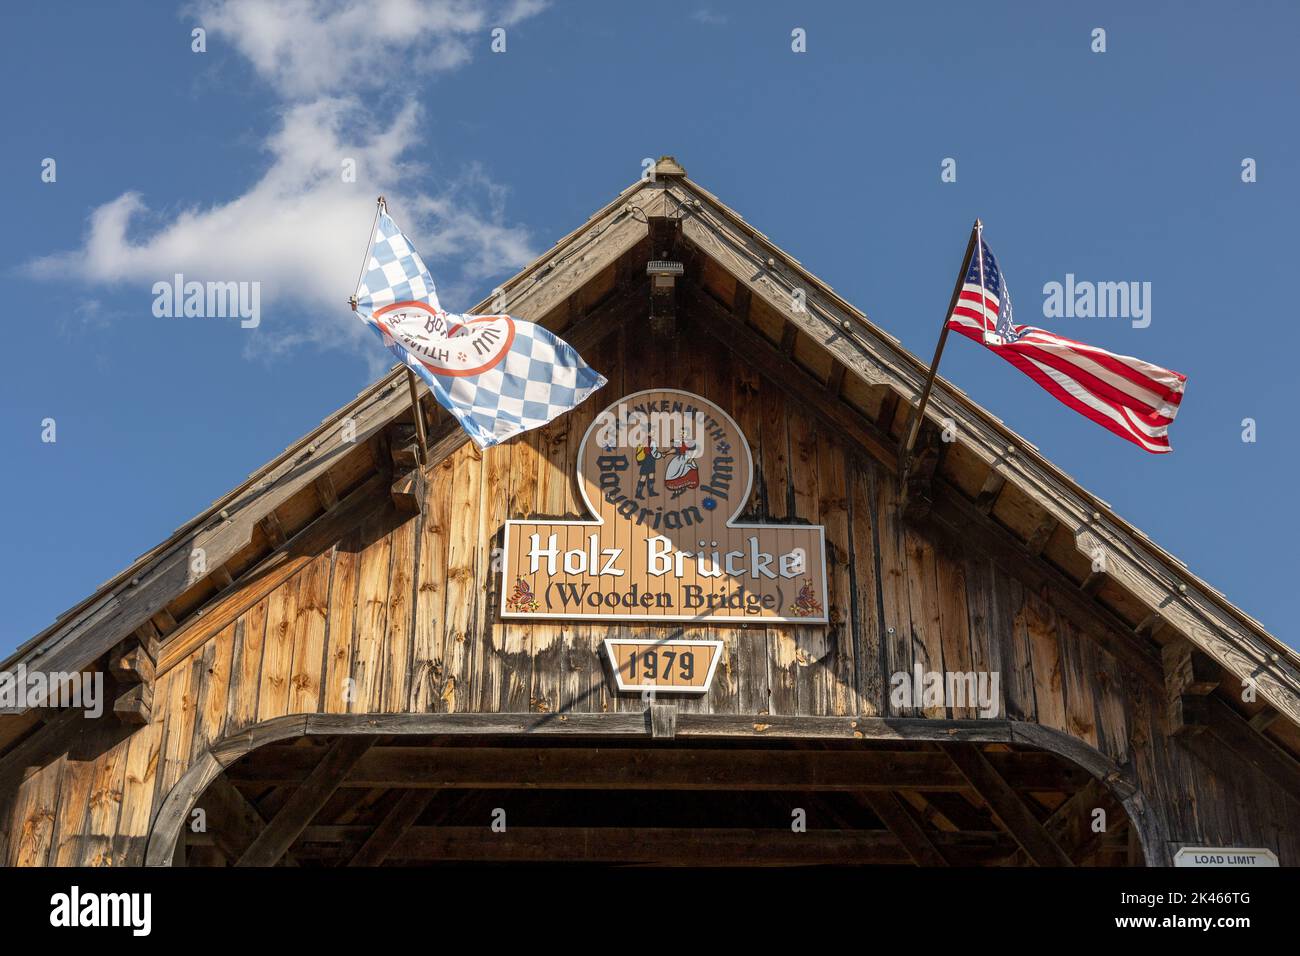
1221 856
668 667
665 473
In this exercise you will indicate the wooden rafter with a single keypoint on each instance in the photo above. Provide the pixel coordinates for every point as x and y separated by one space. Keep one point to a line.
392 828
897 818
1007 808
287 825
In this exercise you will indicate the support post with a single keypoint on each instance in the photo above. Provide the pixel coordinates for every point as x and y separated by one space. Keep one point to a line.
418 412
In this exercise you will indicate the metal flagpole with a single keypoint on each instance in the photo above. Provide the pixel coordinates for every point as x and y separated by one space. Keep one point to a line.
919 415
417 411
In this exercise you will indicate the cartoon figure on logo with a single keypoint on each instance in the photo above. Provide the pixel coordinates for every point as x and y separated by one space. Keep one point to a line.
646 458
684 470
521 599
806 605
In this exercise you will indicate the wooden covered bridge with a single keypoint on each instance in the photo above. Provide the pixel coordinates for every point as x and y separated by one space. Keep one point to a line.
345 662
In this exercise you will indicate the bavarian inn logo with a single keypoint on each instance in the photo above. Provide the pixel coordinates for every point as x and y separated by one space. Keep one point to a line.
446 346
665 473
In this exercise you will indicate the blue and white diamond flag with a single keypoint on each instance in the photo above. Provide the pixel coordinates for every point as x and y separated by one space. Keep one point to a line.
498 375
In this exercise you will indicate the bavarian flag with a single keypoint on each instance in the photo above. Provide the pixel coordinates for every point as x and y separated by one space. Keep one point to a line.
498 375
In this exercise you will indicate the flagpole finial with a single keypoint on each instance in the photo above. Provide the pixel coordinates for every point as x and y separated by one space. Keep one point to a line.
382 202
978 223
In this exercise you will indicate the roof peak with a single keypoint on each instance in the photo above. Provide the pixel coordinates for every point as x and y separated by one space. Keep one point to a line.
668 166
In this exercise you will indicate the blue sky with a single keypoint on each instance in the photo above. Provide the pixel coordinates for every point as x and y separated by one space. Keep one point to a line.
224 165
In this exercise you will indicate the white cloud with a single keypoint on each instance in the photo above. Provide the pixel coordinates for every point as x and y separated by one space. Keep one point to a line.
705 15
299 229
313 47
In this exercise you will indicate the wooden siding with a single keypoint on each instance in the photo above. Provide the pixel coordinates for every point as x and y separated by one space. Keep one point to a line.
377 612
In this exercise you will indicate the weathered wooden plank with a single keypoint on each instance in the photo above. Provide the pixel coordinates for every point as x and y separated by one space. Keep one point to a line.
427 664
72 807
309 627
34 813
277 651
1045 650
895 603
340 626
865 607
400 618
829 647
954 623
461 613
923 599
140 784
246 667
212 676
372 613
1080 712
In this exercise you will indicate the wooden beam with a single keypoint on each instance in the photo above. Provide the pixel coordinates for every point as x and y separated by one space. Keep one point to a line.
164 621
740 302
662 719
132 664
221 578
1151 625
326 493
274 531
1092 583
789 335
918 491
899 821
678 768
407 492
656 845
287 825
888 409
1008 809
392 828
835 380
987 498
135 705
1190 675
1264 719
1041 534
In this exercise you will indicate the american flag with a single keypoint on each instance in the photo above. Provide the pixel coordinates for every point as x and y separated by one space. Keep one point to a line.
1134 399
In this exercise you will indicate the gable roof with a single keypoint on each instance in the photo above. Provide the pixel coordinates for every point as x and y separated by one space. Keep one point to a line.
860 355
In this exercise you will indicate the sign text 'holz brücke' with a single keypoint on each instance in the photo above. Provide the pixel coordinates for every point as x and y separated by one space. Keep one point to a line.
665 473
